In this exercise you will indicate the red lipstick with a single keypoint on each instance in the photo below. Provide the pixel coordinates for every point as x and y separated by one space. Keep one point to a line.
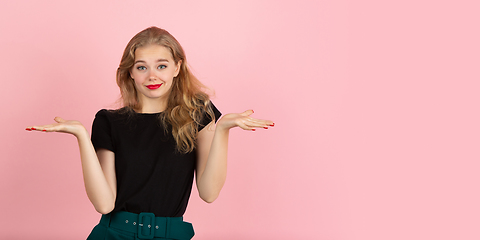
155 86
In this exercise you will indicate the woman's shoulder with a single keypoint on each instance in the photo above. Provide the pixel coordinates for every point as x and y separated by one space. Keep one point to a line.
209 113
113 114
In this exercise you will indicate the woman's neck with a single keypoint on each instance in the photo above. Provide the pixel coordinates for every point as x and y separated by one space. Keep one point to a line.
153 106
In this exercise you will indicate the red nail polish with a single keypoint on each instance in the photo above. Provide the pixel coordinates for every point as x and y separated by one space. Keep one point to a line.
273 124
28 129
253 129
44 130
34 129
265 127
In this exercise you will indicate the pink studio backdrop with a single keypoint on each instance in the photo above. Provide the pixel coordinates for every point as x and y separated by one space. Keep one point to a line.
375 104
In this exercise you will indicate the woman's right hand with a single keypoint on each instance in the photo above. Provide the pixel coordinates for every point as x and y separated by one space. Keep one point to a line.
61 125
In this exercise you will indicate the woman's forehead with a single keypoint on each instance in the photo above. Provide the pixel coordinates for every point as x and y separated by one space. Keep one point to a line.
153 52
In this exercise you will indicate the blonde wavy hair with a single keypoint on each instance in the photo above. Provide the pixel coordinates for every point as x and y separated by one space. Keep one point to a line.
187 102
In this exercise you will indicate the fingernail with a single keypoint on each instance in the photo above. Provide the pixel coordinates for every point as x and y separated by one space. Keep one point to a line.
253 129
28 129
253 111
34 129
44 130
265 127
273 124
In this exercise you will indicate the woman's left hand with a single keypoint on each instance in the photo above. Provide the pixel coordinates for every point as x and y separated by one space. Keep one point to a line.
243 120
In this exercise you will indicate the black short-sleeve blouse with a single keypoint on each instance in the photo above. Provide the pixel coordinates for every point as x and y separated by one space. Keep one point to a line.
151 175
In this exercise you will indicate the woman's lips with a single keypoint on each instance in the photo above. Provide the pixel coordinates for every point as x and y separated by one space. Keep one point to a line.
155 86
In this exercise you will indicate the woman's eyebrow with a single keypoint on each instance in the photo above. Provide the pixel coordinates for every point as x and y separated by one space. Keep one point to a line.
159 60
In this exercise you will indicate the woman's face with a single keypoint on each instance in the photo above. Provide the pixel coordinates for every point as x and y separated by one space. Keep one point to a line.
153 72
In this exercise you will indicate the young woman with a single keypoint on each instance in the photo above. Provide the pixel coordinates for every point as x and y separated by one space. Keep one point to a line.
139 164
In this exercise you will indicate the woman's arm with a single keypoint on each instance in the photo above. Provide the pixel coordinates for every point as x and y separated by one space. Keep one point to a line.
211 169
98 174
98 167
212 146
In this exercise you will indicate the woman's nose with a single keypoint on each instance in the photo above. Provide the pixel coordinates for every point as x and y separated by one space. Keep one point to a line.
152 76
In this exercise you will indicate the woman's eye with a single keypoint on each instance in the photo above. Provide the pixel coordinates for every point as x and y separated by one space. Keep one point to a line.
141 68
162 67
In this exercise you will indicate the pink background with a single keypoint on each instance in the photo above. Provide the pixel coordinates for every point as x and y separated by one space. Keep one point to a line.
376 105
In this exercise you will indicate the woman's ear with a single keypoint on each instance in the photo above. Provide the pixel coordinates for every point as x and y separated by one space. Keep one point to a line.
177 68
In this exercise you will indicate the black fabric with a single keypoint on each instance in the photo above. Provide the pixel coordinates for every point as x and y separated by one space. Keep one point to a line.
151 175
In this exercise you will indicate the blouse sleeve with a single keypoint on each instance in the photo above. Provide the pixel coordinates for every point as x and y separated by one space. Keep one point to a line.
102 131
207 119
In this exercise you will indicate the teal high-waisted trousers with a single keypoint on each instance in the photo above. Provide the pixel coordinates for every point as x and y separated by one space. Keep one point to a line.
131 226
